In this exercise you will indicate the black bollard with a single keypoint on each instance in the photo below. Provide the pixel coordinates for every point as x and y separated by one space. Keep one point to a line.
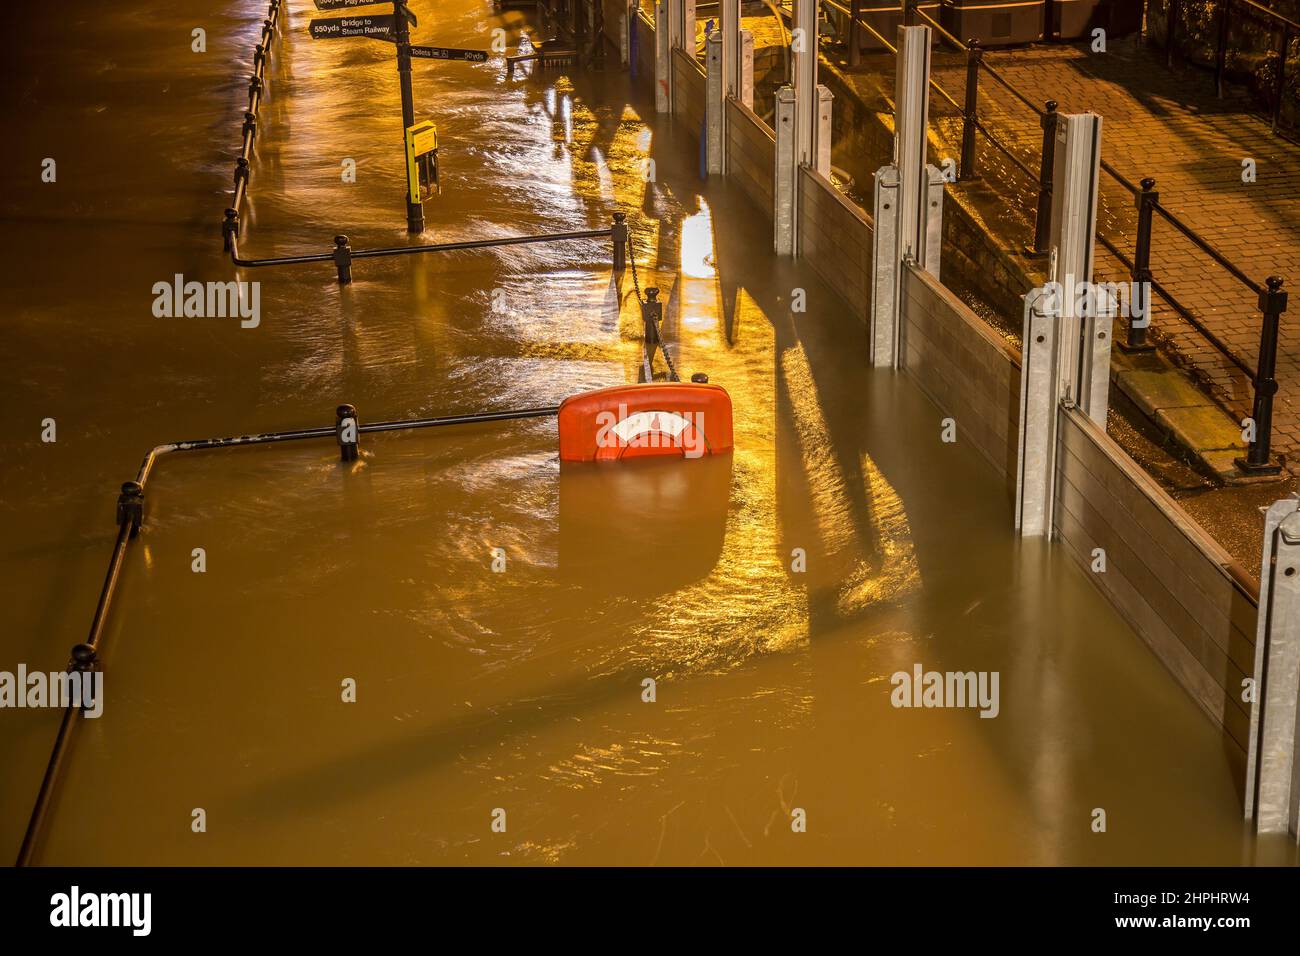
347 431
130 506
620 232
343 259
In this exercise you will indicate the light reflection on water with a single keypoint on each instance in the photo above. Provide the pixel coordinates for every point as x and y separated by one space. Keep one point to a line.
522 689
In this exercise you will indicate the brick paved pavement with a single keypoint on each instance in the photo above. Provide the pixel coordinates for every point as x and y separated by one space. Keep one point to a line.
1167 125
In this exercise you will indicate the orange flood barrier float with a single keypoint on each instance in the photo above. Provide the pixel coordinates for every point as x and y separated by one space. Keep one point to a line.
682 419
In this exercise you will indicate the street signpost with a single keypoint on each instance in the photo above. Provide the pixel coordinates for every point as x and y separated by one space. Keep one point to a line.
448 53
420 143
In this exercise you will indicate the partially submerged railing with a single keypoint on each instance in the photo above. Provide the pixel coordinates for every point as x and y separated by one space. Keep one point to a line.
342 254
130 519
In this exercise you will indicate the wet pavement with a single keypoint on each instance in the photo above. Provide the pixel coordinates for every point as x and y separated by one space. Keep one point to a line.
518 690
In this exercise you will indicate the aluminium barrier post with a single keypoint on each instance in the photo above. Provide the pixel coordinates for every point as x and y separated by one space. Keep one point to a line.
1273 757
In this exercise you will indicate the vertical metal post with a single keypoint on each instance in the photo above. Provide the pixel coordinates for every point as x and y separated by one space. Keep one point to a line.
1084 338
1273 758
347 431
1039 402
804 71
823 134
729 11
884 287
783 187
714 103
1043 220
1171 28
970 114
1221 47
746 70
663 61
1272 303
1280 89
414 210
902 200
933 245
909 13
912 99
855 32
343 259
1140 320
622 236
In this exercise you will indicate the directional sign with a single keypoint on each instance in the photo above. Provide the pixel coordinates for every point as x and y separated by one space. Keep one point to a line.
340 4
382 27
449 53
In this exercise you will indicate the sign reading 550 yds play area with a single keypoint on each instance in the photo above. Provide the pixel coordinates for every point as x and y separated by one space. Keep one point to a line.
382 27
342 4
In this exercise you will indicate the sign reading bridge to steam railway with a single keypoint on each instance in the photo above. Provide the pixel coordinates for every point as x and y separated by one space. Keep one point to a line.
382 27
448 53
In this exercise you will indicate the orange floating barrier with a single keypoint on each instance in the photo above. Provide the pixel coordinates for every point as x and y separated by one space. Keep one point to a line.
685 419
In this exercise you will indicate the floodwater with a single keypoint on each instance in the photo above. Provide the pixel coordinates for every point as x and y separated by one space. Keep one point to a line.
517 690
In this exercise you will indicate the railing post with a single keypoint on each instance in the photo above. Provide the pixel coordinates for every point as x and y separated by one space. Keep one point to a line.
343 259
1171 26
347 432
1272 303
620 234
229 230
1140 319
1280 90
1043 220
855 35
970 118
130 507
909 13
1221 47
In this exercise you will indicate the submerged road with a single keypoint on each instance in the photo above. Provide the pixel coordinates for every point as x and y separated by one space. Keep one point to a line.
499 616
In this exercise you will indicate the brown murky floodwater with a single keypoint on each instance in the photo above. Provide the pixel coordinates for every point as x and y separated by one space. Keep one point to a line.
519 690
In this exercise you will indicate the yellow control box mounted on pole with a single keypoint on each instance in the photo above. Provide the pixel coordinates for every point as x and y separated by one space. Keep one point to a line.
422 161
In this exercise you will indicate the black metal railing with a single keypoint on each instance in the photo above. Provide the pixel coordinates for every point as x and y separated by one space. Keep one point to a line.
342 254
130 519
1225 14
1271 299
